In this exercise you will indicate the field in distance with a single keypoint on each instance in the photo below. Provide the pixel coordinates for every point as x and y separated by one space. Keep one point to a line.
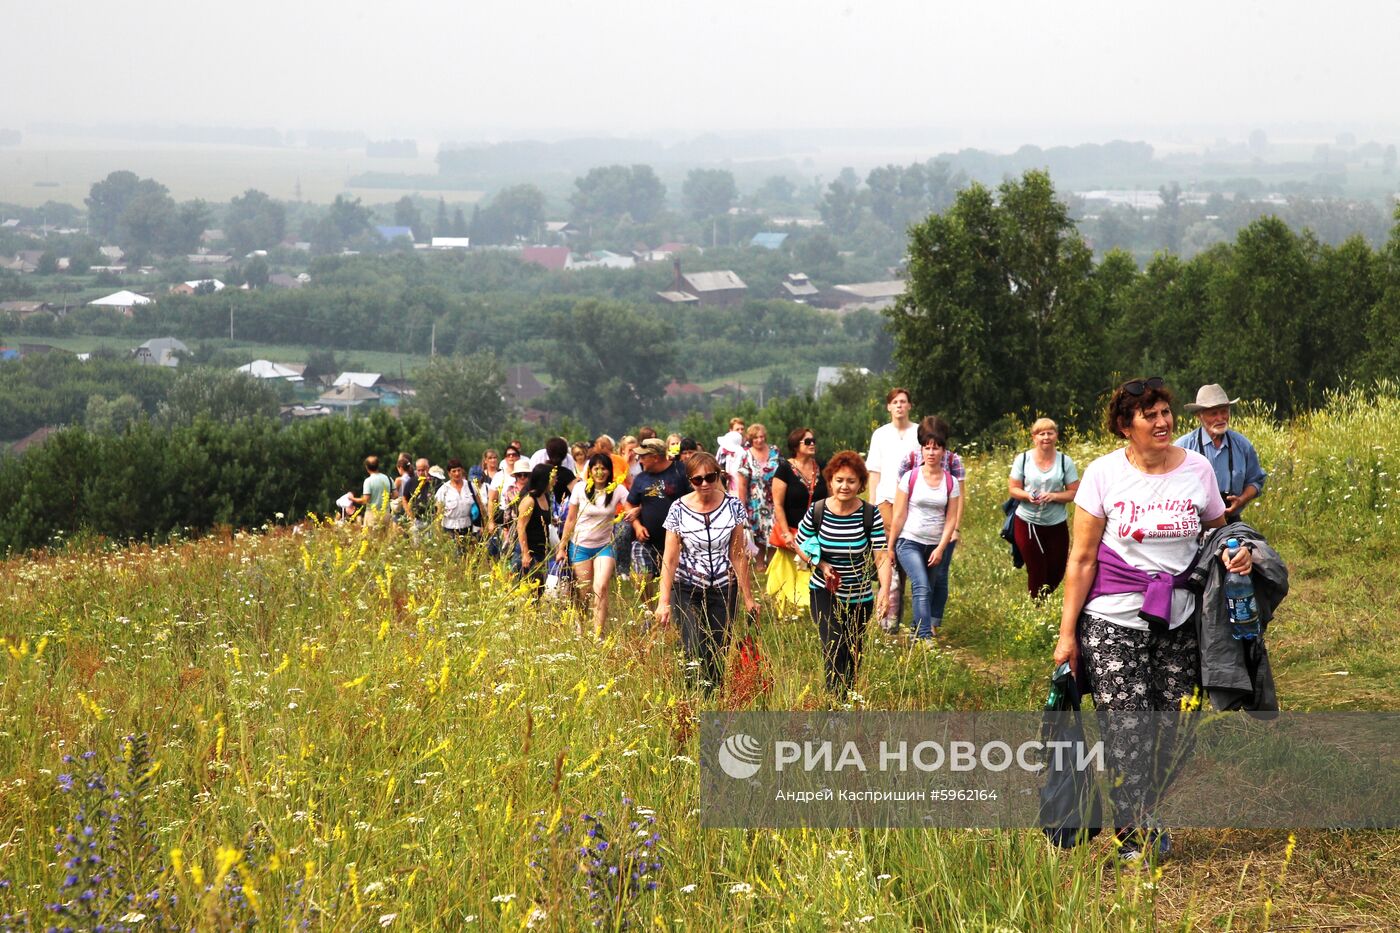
32 176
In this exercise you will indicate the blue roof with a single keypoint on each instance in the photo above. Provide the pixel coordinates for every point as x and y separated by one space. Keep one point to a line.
393 233
768 240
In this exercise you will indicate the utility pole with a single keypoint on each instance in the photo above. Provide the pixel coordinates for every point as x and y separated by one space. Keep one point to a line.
432 342
230 323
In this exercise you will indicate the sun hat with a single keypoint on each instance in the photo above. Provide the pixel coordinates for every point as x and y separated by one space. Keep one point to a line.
522 466
436 473
1210 396
652 445
731 443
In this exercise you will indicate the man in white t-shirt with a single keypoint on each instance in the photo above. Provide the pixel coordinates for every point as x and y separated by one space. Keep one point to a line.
890 445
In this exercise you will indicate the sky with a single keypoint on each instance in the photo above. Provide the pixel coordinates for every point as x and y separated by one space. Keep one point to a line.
483 69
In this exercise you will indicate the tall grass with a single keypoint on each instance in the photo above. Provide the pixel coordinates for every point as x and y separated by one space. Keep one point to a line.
351 733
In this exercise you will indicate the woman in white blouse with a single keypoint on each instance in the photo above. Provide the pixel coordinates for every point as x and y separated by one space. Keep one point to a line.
702 567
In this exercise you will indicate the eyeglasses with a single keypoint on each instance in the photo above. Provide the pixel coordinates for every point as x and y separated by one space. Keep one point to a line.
809 440
1139 386
704 479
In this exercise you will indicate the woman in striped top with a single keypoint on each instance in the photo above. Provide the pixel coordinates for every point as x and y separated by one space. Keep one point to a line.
703 562
850 545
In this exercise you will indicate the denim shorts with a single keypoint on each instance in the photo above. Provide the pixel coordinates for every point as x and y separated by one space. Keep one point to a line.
578 555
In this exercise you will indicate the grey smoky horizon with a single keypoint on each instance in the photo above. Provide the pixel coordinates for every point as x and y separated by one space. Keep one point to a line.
990 75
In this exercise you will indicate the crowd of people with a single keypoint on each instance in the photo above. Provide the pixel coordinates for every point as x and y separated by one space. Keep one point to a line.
844 537
847 538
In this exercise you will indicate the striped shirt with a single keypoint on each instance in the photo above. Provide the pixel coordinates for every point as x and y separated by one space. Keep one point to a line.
705 541
846 548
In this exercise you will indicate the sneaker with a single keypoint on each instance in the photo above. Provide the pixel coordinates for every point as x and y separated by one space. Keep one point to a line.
1151 843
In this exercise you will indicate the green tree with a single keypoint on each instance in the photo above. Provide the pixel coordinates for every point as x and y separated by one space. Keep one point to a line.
608 193
254 221
107 199
185 227
114 416
709 192
1000 308
1260 305
463 394
406 214
610 362
441 225
217 395
345 221
256 273
515 212
840 208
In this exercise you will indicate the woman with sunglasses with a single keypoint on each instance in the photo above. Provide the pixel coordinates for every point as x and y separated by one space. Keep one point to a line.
797 483
502 480
1126 622
703 566
1043 479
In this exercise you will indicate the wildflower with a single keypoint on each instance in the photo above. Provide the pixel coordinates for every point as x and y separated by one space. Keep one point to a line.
741 887
503 898
387 919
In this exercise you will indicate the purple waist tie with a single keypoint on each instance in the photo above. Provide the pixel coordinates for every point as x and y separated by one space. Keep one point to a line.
1115 575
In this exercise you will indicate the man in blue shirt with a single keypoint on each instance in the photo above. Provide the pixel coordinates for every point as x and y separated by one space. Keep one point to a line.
1237 469
661 482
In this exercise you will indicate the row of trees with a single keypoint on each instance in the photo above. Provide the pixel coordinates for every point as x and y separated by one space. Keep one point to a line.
152 480
1006 313
108 392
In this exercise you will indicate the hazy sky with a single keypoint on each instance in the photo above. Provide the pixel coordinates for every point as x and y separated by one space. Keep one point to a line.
468 68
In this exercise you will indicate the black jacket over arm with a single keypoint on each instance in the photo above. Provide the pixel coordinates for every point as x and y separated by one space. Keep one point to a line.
1236 674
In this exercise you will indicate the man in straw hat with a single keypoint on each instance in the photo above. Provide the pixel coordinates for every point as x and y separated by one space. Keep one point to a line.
1237 470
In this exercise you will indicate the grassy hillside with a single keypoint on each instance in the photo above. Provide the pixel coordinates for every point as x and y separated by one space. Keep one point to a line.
356 734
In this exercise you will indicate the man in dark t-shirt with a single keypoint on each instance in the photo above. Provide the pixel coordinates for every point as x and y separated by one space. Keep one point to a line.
661 482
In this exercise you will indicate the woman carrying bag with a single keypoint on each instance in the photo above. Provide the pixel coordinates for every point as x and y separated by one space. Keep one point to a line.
703 569
1043 480
797 483
846 537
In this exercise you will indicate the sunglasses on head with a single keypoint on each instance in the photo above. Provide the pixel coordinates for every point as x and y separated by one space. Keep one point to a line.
1139 386
704 479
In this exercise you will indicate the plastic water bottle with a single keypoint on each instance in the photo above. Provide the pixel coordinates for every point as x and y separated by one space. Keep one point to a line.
1239 598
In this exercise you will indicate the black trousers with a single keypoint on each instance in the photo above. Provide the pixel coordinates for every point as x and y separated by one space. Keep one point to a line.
704 616
841 626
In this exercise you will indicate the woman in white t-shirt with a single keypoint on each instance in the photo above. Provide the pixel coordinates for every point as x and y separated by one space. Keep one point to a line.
588 535
927 509
1127 617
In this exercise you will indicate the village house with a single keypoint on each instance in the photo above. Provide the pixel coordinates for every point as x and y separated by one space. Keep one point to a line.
197 287
160 351
711 289
24 310
123 302
554 258
523 386
875 296
797 287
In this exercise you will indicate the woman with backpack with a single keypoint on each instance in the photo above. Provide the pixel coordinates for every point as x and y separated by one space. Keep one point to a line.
532 526
927 509
1043 480
844 537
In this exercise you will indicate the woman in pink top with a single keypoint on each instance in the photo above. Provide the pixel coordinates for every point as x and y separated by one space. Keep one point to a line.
1126 618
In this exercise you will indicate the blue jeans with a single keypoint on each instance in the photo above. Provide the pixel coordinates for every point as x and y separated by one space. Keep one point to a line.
928 585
